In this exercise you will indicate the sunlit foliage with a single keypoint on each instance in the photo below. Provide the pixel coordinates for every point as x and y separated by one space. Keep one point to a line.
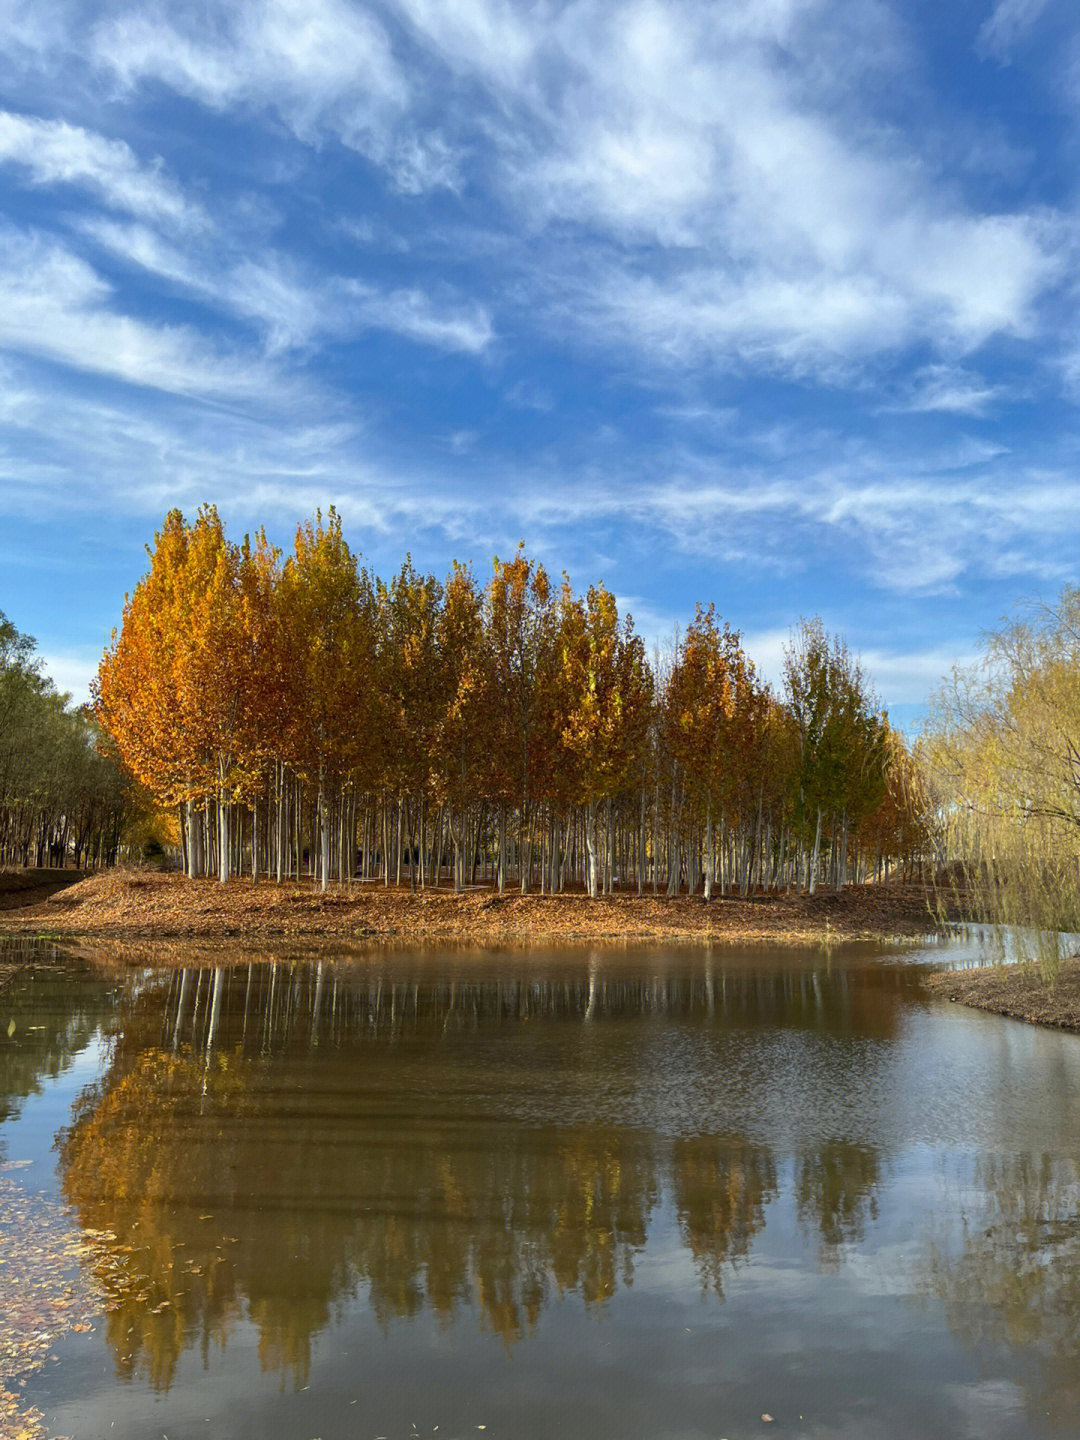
1004 751
307 717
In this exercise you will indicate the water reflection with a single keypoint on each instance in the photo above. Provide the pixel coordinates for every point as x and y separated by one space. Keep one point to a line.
269 1139
296 1004
721 1186
1010 1277
836 1188
43 1027
274 1150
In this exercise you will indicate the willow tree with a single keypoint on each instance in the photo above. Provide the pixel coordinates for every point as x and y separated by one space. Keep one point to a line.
1004 747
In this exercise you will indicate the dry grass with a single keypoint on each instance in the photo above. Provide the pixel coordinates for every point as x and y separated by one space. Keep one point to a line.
1023 992
140 904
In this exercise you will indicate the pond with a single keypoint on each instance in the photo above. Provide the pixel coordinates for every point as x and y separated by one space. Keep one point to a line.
634 1192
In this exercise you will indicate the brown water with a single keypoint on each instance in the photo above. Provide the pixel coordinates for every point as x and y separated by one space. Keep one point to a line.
634 1193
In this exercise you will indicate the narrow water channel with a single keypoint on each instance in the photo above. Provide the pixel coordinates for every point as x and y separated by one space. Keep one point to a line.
638 1192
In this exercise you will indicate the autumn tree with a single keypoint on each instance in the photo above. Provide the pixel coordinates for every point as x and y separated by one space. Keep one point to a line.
606 687
330 613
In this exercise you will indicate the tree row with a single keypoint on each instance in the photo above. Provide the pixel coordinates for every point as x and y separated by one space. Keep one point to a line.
306 717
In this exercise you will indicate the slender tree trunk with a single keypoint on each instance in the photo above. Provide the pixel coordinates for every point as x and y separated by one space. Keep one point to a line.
815 857
224 838
591 862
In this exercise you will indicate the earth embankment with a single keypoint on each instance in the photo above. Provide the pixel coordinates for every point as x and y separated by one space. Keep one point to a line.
132 903
1022 992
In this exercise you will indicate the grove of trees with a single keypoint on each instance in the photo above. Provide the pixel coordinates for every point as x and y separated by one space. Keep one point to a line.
304 716
63 798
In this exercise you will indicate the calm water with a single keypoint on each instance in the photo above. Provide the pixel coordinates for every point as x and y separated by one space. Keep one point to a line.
631 1193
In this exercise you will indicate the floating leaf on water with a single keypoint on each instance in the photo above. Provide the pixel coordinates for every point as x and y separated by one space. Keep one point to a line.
11 1028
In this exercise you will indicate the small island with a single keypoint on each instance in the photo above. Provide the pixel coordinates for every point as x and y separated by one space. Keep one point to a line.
127 904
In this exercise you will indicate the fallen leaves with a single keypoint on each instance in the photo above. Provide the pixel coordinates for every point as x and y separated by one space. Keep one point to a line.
124 903
46 1294
1020 991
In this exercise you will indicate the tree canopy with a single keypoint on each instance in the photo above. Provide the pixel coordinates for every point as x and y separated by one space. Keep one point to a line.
307 716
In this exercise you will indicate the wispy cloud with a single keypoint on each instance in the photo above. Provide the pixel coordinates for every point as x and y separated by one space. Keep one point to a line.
71 672
731 194
1007 24
55 306
948 389
292 306
55 153
324 66
899 677
413 314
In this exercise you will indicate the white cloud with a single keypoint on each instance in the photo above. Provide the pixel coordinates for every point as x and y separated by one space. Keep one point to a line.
293 308
412 314
793 229
1008 23
720 175
949 389
31 30
55 306
325 66
71 672
56 153
899 677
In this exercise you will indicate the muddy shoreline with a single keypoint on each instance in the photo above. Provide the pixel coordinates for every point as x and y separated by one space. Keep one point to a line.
1021 992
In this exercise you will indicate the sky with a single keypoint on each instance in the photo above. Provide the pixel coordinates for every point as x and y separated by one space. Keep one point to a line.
771 304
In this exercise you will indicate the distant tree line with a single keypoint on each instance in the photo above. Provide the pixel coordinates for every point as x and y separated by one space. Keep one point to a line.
306 717
63 799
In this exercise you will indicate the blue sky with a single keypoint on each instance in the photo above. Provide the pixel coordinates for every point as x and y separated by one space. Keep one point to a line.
771 304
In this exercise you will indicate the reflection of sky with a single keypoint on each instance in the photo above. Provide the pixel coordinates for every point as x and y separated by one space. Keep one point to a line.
29 1134
847 1336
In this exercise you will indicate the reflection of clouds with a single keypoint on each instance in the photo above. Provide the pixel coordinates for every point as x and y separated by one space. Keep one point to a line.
987 1408
884 1270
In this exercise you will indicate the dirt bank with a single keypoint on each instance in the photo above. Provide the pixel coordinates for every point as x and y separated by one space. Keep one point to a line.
1020 991
137 904
20 888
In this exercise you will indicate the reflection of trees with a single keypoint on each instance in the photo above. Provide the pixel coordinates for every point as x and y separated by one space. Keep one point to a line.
836 1187
271 1003
722 1185
48 1014
1015 1280
215 1204
271 1139
167 1272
